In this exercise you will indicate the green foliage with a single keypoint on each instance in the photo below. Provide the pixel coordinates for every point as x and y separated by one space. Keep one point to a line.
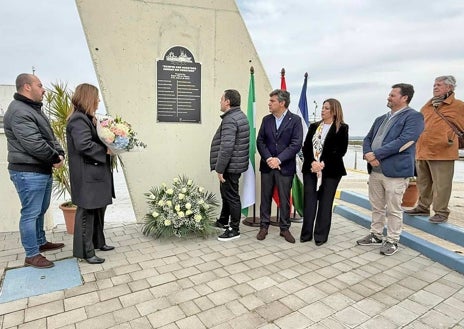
57 106
180 210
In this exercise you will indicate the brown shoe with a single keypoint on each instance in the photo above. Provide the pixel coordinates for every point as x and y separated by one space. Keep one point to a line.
417 211
437 219
262 233
288 236
50 246
38 261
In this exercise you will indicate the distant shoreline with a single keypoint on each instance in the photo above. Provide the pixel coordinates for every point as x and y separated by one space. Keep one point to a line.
358 140
355 142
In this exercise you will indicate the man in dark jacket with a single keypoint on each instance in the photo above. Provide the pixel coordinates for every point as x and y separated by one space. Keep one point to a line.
32 153
279 140
229 157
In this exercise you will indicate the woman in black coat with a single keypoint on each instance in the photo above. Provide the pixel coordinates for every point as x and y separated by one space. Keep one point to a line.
90 174
323 150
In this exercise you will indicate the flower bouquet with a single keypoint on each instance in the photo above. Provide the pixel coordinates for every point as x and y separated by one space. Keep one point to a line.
180 210
118 135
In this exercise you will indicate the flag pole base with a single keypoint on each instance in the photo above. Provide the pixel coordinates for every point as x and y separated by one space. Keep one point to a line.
254 222
274 221
296 219
251 221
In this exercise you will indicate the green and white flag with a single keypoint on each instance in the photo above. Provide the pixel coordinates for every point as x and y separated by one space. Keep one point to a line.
297 187
248 187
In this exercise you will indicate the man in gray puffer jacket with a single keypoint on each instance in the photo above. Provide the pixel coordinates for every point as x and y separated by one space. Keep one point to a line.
229 157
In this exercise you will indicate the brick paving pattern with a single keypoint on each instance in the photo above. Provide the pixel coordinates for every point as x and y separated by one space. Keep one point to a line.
244 283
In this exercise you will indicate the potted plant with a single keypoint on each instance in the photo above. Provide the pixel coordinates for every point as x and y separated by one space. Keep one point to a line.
411 194
57 106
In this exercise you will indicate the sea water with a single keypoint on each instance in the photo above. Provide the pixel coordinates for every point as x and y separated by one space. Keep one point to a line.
354 160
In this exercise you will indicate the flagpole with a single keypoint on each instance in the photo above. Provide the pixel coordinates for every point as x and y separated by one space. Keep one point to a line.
298 186
251 221
300 219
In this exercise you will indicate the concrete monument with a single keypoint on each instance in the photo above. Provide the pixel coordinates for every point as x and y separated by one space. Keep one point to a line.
205 48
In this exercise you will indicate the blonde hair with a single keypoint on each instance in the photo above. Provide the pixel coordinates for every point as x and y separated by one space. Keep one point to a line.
336 110
85 99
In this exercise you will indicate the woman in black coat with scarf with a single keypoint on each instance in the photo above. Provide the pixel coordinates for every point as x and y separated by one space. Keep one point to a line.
90 174
323 150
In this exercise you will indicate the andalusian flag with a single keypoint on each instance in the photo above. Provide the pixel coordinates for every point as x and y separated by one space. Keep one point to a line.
248 189
297 187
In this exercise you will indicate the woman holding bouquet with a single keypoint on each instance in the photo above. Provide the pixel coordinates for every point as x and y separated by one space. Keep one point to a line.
90 174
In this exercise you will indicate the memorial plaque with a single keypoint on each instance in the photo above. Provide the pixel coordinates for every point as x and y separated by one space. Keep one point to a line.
178 87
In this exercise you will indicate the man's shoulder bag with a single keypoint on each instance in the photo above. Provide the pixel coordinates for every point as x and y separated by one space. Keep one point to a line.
456 130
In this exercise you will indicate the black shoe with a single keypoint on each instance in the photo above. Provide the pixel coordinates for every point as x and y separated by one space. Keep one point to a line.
320 243
303 240
220 225
106 248
95 260
229 234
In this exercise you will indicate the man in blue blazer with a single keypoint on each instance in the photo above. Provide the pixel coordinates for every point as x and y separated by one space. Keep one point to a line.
279 140
389 148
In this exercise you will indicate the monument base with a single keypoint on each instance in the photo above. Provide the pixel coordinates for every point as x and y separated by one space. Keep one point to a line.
256 222
275 221
296 219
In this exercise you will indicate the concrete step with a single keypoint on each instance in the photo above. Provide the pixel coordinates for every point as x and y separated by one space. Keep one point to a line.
444 231
441 243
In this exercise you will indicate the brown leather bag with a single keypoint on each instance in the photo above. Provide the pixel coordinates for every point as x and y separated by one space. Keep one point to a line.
459 133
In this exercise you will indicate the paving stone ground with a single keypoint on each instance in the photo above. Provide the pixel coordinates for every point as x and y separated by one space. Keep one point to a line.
245 283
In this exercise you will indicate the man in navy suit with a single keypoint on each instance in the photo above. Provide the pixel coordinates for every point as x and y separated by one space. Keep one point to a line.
390 148
279 140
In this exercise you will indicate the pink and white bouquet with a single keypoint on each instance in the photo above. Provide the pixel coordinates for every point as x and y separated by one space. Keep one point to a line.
118 135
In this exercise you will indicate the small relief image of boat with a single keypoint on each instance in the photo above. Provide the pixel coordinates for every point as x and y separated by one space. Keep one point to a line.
171 57
183 58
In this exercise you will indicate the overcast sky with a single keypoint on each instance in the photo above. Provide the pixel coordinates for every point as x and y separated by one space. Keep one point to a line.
352 50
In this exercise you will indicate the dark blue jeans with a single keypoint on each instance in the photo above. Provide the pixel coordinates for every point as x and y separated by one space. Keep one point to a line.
34 191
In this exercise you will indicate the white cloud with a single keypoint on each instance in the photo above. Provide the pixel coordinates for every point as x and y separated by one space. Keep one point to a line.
47 35
355 50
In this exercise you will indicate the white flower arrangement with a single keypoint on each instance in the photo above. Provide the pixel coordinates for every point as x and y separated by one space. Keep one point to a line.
180 210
